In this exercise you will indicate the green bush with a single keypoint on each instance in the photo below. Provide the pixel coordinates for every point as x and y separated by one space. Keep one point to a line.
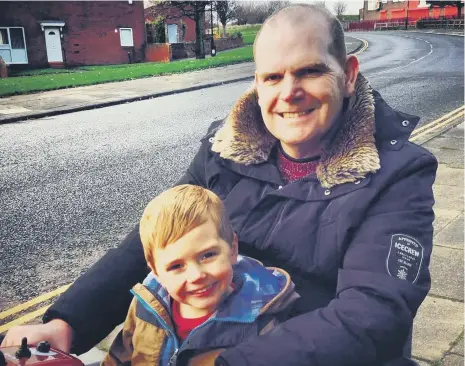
156 30
236 35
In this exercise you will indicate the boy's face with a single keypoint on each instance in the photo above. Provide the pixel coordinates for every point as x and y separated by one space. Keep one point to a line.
197 269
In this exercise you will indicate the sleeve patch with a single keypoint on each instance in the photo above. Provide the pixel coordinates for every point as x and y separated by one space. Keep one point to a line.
405 258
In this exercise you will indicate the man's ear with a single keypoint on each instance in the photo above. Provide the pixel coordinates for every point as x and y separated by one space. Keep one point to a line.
351 73
234 249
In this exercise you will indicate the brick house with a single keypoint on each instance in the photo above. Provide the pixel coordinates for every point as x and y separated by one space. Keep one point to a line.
179 29
71 33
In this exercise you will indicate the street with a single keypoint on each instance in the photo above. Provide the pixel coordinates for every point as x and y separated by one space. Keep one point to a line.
73 185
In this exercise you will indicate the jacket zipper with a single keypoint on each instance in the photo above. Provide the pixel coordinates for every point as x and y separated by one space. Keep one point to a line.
174 357
176 352
216 320
177 347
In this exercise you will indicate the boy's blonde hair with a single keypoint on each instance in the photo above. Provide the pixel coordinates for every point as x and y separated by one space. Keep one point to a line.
175 212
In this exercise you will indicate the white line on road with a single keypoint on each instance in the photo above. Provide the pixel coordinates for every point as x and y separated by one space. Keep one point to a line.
410 63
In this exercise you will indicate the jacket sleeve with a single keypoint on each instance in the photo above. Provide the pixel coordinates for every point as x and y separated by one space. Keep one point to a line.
369 319
99 299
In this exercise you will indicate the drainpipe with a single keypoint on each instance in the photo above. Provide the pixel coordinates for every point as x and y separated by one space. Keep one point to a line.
406 19
212 42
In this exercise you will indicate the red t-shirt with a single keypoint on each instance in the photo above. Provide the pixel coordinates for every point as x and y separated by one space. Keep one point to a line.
184 326
294 169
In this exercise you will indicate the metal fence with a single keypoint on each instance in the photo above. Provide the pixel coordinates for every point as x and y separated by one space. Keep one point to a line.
449 24
371 25
395 25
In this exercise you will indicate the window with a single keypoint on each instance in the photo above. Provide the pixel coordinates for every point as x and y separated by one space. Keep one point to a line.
125 35
17 38
13 45
4 36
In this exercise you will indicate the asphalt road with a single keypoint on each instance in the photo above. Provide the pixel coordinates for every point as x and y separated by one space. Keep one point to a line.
72 186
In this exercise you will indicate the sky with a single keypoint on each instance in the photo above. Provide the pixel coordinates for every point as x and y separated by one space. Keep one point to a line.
352 5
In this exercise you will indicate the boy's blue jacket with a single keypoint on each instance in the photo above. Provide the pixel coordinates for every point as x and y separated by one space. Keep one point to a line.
261 295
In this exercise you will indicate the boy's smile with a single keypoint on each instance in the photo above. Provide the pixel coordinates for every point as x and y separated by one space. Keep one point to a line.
197 270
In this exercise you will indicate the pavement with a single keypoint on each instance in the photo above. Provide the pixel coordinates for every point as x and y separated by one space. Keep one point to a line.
449 32
438 326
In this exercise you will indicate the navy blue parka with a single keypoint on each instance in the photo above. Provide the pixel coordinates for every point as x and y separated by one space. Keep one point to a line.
356 237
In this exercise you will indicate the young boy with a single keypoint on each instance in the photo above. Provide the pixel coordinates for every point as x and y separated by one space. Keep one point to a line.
200 295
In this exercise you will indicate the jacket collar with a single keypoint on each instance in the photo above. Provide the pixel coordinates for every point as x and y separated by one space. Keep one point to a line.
348 155
258 290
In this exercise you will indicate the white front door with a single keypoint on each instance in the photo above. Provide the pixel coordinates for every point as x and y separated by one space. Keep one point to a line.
172 33
53 44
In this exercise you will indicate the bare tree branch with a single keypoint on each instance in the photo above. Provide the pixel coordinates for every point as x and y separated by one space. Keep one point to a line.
321 3
226 12
340 8
255 12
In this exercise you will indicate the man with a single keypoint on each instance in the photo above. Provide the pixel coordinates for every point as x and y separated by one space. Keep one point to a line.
318 178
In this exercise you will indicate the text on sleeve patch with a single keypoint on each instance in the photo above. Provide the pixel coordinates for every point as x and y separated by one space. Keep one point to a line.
405 257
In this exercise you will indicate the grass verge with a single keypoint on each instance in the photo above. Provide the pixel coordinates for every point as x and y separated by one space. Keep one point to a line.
248 32
91 75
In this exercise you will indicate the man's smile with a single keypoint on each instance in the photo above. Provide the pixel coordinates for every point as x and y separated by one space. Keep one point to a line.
295 114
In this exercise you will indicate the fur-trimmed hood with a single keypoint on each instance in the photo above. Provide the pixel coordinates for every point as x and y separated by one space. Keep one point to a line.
350 154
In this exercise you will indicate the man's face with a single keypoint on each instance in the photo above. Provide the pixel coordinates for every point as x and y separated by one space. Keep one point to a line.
300 85
197 269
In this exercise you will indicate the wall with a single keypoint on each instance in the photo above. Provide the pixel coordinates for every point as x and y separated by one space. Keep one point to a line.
89 36
397 11
187 50
175 17
158 52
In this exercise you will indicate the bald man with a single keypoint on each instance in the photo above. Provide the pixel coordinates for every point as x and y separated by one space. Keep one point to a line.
318 177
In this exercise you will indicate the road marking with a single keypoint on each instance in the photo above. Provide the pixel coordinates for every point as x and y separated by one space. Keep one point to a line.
447 120
24 319
433 123
452 121
403 66
37 300
365 45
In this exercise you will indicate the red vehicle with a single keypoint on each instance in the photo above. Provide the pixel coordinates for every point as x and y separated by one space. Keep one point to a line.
42 355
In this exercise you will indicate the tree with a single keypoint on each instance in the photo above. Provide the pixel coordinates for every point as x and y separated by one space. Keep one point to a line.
240 14
250 12
194 10
255 12
443 4
321 3
274 6
156 30
340 8
226 12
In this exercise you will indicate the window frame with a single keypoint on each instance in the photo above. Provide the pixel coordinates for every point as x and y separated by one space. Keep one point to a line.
121 39
10 48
